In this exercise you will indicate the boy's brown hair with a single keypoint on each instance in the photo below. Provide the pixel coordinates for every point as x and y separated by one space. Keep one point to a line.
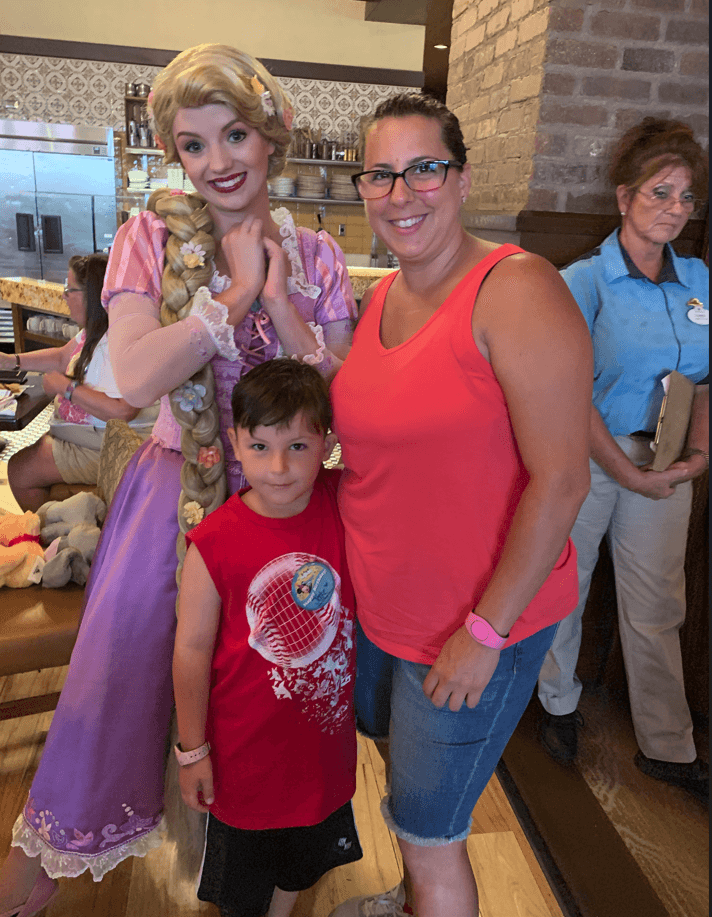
273 393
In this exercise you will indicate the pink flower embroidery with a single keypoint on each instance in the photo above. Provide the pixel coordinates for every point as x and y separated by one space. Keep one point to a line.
43 829
80 840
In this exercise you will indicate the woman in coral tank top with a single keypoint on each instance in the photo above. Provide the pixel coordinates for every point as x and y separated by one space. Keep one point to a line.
463 414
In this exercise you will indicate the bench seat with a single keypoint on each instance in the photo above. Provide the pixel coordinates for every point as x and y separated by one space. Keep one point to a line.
38 629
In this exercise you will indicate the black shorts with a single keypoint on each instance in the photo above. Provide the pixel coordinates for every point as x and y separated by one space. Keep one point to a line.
242 868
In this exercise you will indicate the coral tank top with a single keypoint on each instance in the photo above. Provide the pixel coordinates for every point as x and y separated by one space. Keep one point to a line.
433 478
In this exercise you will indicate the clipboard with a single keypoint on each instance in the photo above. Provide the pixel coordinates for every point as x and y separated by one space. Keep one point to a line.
674 420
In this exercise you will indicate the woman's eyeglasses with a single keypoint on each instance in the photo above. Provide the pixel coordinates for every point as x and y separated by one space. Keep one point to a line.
664 199
68 289
423 176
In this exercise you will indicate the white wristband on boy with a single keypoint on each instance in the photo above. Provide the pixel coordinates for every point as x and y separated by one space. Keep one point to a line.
190 757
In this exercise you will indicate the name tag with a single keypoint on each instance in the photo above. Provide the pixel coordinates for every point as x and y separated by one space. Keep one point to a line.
698 314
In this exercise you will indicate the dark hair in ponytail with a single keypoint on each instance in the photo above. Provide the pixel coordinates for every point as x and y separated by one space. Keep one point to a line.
89 271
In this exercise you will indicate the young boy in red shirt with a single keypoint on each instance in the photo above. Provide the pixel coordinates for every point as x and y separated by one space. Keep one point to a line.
264 657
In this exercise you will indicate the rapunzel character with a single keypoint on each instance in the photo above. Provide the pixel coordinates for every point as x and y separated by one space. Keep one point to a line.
199 289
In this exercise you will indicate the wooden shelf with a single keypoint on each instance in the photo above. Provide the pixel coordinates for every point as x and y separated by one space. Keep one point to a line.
143 151
44 338
325 162
313 200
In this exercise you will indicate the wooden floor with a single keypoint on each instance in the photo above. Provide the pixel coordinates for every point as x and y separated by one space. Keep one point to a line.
510 880
665 829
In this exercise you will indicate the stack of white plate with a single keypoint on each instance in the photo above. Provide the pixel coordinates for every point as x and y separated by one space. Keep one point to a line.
6 327
342 188
174 177
157 183
311 186
138 180
188 186
282 187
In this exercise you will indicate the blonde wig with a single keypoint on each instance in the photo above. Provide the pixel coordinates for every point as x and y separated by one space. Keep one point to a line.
205 75
215 74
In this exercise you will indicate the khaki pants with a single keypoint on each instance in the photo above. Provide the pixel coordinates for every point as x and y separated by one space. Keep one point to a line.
647 540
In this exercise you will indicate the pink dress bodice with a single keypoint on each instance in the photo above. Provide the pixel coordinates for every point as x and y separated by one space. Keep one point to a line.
319 287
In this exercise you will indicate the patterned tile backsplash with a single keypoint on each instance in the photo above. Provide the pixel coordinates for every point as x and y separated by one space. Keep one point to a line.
64 91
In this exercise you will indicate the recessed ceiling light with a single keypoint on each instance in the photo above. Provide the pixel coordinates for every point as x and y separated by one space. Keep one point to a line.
440 47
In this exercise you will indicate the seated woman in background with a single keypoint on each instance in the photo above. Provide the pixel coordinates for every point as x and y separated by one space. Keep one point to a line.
80 375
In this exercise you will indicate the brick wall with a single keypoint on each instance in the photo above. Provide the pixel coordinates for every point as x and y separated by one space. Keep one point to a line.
540 114
494 86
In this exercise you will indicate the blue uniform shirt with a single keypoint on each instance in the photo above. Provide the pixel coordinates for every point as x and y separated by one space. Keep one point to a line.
640 330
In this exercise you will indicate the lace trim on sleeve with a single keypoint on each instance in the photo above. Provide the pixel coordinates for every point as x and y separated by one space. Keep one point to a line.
311 358
213 315
297 282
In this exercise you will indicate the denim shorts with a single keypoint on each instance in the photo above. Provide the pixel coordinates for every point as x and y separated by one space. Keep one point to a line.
440 761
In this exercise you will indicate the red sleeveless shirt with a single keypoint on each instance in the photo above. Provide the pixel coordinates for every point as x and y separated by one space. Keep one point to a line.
433 478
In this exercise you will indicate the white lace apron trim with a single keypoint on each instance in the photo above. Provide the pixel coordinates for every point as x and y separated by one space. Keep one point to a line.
57 863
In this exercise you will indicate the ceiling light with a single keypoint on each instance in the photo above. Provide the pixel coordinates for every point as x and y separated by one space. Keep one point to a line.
441 47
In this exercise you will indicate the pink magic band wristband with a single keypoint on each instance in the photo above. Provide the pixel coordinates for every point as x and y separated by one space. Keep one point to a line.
190 757
482 632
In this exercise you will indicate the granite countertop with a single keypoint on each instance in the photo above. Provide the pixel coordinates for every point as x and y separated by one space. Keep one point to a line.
38 294
41 294
362 277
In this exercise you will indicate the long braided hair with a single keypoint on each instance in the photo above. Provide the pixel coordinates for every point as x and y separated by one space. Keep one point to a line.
205 75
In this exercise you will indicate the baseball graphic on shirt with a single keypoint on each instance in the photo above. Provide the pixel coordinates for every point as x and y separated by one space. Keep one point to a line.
298 625
293 609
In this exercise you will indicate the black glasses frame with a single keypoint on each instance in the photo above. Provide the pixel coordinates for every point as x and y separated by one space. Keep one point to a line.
448 163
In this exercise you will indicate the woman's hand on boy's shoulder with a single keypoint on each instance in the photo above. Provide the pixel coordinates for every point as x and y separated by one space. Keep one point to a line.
196 784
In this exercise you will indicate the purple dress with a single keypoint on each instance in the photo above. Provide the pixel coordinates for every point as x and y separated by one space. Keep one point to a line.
97 797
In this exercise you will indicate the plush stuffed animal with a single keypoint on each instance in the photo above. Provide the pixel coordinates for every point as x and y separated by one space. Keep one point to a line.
59 517
75 522
21 555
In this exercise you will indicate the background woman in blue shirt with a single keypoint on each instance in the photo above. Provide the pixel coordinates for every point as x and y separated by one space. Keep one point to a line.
637 296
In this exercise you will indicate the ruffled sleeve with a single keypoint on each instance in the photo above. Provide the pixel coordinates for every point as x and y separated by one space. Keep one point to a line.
327 270
136 259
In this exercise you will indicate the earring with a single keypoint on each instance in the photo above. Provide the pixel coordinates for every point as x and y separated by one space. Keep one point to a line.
622 213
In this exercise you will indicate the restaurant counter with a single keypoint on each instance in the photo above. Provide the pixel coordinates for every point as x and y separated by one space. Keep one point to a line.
28 297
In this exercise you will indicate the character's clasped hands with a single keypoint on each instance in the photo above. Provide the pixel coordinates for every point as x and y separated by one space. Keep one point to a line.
258 266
